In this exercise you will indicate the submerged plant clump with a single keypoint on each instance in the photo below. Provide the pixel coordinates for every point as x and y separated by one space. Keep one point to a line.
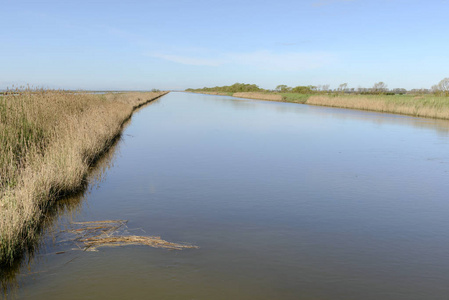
89 236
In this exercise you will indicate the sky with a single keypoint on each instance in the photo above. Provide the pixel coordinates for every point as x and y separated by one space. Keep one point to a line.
179 44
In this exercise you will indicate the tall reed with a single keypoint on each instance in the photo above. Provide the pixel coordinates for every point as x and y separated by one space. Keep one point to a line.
259 96
429 106
48 140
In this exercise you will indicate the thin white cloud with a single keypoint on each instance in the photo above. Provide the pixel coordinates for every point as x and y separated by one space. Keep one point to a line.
265 60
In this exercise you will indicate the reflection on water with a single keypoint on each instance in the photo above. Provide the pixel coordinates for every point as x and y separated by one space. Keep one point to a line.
285 201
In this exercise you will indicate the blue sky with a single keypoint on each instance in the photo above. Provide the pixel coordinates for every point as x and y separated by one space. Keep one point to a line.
168 44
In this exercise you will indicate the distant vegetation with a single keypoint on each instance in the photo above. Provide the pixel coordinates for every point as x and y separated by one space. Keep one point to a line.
235 88
379 88
442 88
433 103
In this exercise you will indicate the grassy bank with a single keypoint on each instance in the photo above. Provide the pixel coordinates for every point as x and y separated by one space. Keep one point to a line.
429 106
268 96
48 141
259 96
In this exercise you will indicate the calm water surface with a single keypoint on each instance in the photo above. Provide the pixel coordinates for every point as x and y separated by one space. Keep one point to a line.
286 201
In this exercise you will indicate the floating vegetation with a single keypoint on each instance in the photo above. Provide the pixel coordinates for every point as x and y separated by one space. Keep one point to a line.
89 236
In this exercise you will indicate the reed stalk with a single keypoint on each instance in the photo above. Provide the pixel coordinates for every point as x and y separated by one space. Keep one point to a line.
48 141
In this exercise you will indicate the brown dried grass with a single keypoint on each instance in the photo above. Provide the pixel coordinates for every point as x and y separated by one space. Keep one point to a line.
112 233
424 106
259 96
429 106
92 244
48 140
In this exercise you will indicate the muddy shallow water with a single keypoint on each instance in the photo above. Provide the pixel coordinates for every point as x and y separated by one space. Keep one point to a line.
284 201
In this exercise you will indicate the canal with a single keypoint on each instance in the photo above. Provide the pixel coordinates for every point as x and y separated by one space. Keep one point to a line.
284 201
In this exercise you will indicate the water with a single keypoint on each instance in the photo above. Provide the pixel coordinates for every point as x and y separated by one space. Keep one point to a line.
285 201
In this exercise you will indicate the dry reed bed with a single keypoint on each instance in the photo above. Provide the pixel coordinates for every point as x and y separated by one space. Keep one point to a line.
428 106
425 106
259 96
48 140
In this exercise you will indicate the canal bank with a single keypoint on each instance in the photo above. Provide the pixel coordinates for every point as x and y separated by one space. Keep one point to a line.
50 139
426 106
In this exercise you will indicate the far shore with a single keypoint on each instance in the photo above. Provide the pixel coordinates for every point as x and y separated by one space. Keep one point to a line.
426 106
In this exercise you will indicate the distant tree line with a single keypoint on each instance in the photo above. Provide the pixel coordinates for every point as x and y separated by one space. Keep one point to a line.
300 89
379 88
235 88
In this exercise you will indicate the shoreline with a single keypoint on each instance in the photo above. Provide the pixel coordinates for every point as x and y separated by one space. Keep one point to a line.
434 107
59 167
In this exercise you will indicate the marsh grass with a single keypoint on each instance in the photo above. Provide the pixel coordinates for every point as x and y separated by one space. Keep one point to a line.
58 213
48 141
259 96
428 106
295 97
